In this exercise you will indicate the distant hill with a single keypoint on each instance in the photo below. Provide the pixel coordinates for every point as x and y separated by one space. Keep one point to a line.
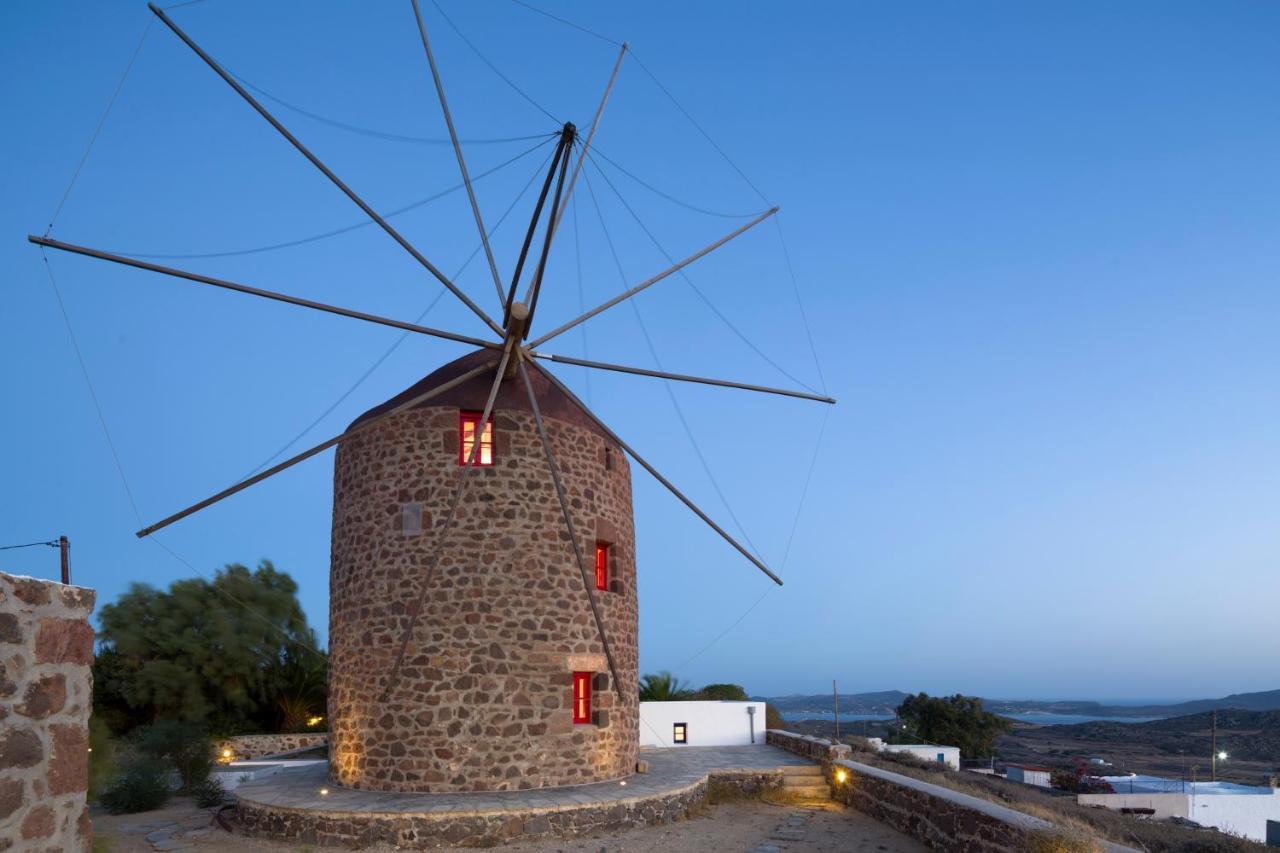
885 701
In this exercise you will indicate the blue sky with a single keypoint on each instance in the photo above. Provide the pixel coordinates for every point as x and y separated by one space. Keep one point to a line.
1038 246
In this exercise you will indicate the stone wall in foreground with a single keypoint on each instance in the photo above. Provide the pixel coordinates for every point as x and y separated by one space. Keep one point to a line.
46 649
243 747
940 817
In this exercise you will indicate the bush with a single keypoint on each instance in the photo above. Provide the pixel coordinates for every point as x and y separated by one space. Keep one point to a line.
101 756
184 746
773 718
210 794
143 786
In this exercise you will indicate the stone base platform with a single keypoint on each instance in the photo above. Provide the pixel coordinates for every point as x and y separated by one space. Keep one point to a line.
289 806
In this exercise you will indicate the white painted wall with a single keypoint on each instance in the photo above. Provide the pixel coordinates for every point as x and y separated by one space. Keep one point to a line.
1039 778
707 723
1240 814
928 752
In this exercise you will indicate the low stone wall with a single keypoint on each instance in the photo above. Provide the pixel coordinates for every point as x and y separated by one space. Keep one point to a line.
256 746
938 816
46 649
426 830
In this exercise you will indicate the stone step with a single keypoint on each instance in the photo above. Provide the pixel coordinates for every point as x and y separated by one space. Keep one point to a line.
802 770
813 792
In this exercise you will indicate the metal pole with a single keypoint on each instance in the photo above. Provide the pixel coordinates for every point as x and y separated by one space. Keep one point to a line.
64 547
256 291
640 371
457 148
448 521
652 281
561 151
535 287
307 454
835 697
595 123
755 561
568 523
315 161
1213 746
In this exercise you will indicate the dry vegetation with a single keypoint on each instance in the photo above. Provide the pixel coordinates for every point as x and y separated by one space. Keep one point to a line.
1077 821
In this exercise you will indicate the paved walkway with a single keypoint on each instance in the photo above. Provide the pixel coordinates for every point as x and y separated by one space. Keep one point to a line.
670 770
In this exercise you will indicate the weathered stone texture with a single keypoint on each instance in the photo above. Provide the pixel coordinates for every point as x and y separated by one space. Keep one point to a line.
483 699
255 746
46 646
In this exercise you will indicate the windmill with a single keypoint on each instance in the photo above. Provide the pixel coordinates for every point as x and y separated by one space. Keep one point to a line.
453 610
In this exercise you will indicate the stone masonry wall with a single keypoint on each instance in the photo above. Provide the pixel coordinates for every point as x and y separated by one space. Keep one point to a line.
244 747
484 697
938 816
46 649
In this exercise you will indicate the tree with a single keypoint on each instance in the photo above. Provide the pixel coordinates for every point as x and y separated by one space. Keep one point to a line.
723 692
225 654
663 687
950 721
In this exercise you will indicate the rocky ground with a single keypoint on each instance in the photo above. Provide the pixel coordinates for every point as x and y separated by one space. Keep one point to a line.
744 827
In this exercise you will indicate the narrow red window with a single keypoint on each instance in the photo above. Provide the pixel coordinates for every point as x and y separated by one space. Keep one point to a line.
468 426
602 565
581 697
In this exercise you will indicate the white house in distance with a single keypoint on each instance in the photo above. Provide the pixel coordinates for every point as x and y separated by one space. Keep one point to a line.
948 755
700 723
1239 809
1029 774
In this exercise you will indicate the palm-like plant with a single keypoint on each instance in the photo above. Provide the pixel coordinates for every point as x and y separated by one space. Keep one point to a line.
663 687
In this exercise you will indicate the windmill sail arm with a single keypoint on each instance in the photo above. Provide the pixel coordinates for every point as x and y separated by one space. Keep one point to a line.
307 454
568 522
325 170
257 291
663 480
627 294
457 149
680 377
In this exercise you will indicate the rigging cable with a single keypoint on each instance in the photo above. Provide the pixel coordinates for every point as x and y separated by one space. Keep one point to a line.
653 353
403 335
505 79
124 480
364 223
93 138
52 543
684 275
582 302
651 188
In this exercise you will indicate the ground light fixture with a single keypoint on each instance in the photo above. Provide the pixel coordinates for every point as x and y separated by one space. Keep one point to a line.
1222 756
841 776
324 792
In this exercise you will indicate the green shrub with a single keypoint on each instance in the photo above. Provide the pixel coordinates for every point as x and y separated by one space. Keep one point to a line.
185 746
143 786
210 794
101 756
773 718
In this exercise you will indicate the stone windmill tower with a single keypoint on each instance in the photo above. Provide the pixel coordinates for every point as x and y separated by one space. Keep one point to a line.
483 582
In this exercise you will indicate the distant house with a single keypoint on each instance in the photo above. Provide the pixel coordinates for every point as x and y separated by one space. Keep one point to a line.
1029 774
700 723
948 755
1239 809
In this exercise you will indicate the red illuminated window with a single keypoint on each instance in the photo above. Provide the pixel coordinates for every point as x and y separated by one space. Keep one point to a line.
581 697
602 565
468 424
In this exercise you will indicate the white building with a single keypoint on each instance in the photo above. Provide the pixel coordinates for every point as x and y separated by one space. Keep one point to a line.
715 723
948 755
1238 809
1028 774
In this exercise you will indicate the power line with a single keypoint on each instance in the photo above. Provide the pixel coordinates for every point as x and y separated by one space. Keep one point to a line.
52 544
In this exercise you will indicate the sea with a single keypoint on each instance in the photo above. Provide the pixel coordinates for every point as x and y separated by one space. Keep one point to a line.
1036 718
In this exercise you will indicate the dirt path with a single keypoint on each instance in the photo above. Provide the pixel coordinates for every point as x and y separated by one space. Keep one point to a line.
748 827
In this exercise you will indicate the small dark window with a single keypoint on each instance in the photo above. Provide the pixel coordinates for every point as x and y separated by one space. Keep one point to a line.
468 426
581 698
608 458
602 566
680 733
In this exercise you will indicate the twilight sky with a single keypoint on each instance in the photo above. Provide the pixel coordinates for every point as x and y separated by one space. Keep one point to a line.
1038 246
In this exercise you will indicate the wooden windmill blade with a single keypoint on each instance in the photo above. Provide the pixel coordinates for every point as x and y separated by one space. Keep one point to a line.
257 291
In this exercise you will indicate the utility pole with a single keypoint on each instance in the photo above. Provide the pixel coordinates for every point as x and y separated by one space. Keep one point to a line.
835 698
1213 746
64 547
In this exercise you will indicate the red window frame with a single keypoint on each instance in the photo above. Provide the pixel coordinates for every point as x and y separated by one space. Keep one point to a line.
484 456
602 565
581 698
